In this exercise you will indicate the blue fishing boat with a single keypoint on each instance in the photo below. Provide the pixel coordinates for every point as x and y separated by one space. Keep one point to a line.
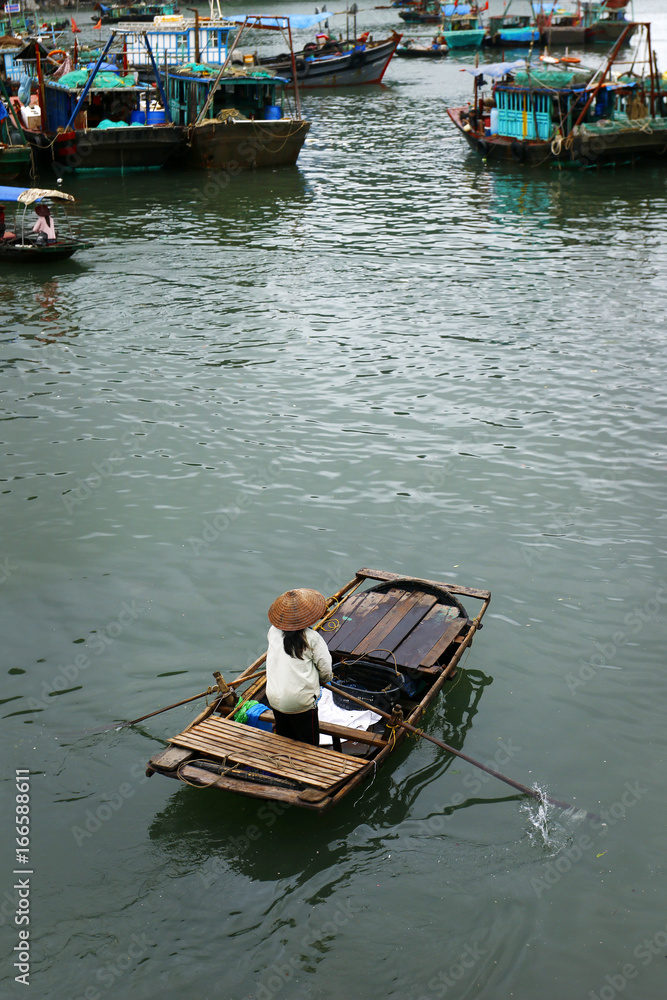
563 114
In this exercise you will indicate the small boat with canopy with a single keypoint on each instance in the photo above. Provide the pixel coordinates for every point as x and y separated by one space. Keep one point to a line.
38 237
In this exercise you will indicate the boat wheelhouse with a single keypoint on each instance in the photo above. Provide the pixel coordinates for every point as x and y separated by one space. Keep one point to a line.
176 41
234 119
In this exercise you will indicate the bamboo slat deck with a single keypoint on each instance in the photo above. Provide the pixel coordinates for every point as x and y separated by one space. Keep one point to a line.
235 743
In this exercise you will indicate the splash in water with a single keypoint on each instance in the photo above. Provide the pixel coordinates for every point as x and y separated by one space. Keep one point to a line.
549 826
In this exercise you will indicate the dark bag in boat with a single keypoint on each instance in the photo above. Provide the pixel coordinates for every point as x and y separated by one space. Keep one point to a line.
377 685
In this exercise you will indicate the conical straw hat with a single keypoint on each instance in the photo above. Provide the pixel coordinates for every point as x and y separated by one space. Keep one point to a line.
296 609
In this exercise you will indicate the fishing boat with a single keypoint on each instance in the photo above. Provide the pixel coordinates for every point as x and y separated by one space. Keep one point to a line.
132 13
411 48
233 120
564 114
100 117
333 63
606 20
236 118
560 24
461 24
512 29
21 245
395 642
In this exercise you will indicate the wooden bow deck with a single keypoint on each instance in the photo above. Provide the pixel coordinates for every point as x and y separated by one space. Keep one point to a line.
240 746
417 626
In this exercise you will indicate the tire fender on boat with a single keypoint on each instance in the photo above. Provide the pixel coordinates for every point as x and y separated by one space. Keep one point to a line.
518 151
483 147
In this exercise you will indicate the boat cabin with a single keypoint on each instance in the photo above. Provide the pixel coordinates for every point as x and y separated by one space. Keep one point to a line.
257 94
543 103
176 41
112 99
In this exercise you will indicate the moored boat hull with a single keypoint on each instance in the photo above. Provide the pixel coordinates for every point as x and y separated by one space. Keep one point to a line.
141 147
353 68
243 145
15 162
589 148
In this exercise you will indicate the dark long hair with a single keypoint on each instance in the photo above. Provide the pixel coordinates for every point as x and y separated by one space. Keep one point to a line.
295 644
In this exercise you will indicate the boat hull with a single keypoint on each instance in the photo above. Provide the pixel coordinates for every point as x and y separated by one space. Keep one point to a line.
15 162
243 145
592 147
130 148
348 69
607 32
471 39
28 253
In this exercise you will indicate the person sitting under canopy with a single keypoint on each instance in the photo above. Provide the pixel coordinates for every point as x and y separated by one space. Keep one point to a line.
45 223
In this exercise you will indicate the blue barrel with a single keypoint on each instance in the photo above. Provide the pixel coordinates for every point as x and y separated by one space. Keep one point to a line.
272 112
157 117
138 117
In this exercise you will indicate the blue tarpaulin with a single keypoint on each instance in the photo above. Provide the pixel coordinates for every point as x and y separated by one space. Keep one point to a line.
297 21
452 9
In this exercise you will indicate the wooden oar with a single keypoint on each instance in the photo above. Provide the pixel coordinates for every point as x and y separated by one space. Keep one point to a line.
202 694
458 753
211 690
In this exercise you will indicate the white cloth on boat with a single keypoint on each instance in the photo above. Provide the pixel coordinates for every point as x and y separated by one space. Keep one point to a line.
328 711
293 685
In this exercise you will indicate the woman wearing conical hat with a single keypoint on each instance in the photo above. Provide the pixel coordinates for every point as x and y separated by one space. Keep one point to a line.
297 662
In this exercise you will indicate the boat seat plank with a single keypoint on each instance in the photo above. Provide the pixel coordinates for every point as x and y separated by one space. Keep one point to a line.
395 626
418 643
362 619
342 732
235 743
441 645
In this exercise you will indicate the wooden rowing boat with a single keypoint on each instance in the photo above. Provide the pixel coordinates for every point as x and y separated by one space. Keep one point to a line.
417 628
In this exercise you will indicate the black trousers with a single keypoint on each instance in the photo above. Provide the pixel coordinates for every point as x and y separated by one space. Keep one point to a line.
302 726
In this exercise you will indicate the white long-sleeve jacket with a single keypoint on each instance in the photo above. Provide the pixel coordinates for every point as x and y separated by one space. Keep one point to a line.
294 685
